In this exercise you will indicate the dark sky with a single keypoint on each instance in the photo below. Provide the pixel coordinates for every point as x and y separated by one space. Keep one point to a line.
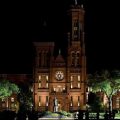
24 22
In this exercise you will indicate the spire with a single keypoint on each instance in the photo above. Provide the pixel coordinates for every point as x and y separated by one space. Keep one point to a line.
75 2
59 52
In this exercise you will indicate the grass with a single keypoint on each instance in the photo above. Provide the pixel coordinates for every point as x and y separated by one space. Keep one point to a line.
55 115
62 115
117 116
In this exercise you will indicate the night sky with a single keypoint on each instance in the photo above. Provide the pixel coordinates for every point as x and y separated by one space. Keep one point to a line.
25 22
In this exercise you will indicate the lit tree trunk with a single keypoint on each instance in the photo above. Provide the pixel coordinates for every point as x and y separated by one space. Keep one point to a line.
110 104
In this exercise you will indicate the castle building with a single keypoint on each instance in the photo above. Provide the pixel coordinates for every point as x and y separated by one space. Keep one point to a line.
59 77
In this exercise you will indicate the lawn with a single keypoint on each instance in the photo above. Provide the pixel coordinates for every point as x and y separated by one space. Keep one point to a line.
62 115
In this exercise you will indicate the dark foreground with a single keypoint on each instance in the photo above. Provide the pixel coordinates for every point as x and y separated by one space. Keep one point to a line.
33 115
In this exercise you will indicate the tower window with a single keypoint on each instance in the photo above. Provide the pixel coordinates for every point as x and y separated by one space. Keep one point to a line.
73 54
75 23
75 32
75 28
77 62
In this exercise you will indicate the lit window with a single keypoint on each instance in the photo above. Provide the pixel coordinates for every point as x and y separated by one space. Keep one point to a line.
71 86
78 77
47 77
39 85
75 28
63 88
39 77
54 89
46 103
78 103
46 100
46 85
71 78
78 85
39 101
12 99
89 89
71 102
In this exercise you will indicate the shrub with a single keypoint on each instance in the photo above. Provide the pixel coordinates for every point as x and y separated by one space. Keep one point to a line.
65 113
48 112
54 115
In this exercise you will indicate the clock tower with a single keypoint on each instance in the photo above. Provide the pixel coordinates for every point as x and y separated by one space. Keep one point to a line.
56 77
76 59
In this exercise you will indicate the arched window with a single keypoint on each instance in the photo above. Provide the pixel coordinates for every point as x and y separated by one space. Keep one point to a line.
77 58
73 54
72 58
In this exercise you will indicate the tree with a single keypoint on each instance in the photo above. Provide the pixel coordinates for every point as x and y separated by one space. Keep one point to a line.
7 89
25 96
95 102
106 82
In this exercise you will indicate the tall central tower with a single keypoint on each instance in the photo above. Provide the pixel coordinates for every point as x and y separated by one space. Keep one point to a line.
58 78
76 63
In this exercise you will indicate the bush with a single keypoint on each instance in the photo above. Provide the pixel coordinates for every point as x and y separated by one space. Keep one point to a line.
54 115
69 114
48 112
65 113
95 103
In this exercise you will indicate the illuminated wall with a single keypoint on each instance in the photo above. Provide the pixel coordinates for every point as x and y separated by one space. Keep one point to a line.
63 78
